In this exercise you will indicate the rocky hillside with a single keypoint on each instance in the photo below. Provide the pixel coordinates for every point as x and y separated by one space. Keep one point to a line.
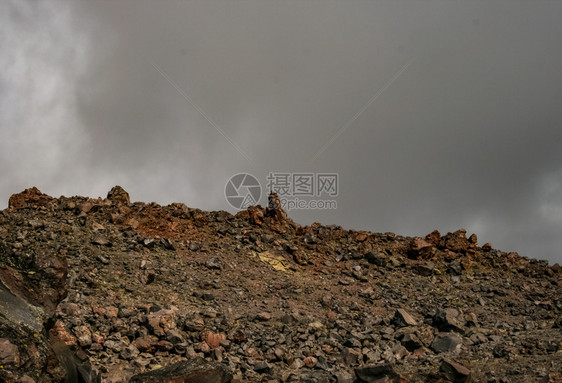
113 291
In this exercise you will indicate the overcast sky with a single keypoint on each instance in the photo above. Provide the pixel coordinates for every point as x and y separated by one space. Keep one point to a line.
435 114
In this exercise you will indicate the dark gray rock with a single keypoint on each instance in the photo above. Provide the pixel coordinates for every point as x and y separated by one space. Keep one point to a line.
379 259
377 373
262 367
196 370
446 342
449 319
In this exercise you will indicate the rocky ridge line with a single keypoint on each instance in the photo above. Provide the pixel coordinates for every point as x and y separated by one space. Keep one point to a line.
109 290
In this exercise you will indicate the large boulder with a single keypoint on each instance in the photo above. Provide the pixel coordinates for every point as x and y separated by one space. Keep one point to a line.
456 242
31 287
31 197
196 370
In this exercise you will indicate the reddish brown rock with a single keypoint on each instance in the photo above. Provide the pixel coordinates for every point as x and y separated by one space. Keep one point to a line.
146 343
213 339
9 354
263 316
421 249
361 236
456 242
86 207
472 245
161 321
455 372
434 238
97 338
256 215
59 331
450 255
310 361
111 312
487 247
164 346
29 198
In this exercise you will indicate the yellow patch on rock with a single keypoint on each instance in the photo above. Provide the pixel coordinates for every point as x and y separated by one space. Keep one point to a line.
276 261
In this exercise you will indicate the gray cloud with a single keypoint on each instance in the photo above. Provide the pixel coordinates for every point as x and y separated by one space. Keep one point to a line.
467 136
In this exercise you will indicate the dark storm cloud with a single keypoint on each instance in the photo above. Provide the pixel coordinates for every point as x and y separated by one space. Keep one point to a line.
467 135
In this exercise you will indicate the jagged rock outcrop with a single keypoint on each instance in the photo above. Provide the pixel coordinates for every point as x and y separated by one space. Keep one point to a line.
118 195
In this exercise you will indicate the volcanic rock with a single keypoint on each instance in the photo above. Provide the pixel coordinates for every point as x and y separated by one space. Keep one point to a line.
32 198
196 370
421 249
9 353
118 195
403 318
455 372
377 373
446 342
456 242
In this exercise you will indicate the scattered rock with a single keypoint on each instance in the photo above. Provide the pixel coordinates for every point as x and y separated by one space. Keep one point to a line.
181 283
83 335
213 263
101 240
446 342
425 269
262 367
212 339
263 316
403 318
129 352
310 361
344 377
9 353
378 259
449 319
196 370
377 373
455 372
